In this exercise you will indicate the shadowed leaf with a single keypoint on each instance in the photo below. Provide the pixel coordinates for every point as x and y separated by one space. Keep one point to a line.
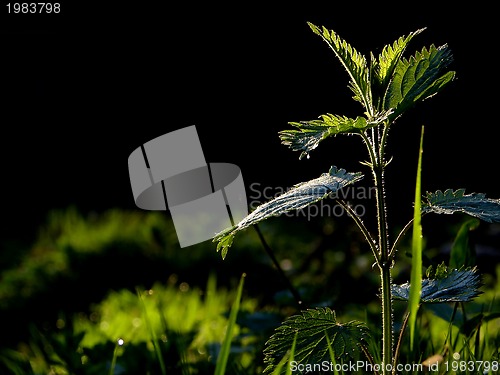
457 286
476 205
311 329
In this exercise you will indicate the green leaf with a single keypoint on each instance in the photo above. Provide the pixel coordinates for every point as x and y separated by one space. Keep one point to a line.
457 286
298 197
310 329
354 63
474 204
418 78
437 272
383 67
463 254
311 133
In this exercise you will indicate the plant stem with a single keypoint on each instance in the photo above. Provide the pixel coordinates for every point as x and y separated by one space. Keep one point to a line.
386 318
384 261
376 150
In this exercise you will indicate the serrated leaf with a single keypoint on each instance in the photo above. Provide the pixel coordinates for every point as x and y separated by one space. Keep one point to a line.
310 329
311 133
418 78
475 204
457 286
298 197
354 63
389 58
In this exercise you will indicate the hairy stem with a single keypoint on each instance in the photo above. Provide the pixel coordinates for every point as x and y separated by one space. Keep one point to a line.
376 150
385 263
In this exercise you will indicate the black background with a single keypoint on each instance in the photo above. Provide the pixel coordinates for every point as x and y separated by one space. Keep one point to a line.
83 88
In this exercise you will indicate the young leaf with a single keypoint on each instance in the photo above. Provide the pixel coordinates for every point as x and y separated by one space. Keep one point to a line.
418 78
310 330
457 286
353 62
437 272
475 204
311 133
298 197
388 59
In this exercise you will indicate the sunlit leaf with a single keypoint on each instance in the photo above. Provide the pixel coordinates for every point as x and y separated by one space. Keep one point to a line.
474 204
384 66
418 78
457 286
354 63
310 329
311 133
298 197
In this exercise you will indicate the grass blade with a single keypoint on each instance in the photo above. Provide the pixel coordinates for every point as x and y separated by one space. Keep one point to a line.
220 367
416 260
332 354
154 339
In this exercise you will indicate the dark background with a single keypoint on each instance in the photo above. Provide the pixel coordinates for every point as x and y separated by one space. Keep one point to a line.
82 89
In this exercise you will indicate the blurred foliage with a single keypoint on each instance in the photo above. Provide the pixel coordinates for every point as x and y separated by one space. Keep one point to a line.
186 323
91 280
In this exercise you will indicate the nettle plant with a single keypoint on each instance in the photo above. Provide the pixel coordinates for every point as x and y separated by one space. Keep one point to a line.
386 86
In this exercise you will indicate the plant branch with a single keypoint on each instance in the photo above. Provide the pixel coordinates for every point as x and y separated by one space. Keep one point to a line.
270 253
400 341
370 146
401 234
361 226
399 238
370 358
383 142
